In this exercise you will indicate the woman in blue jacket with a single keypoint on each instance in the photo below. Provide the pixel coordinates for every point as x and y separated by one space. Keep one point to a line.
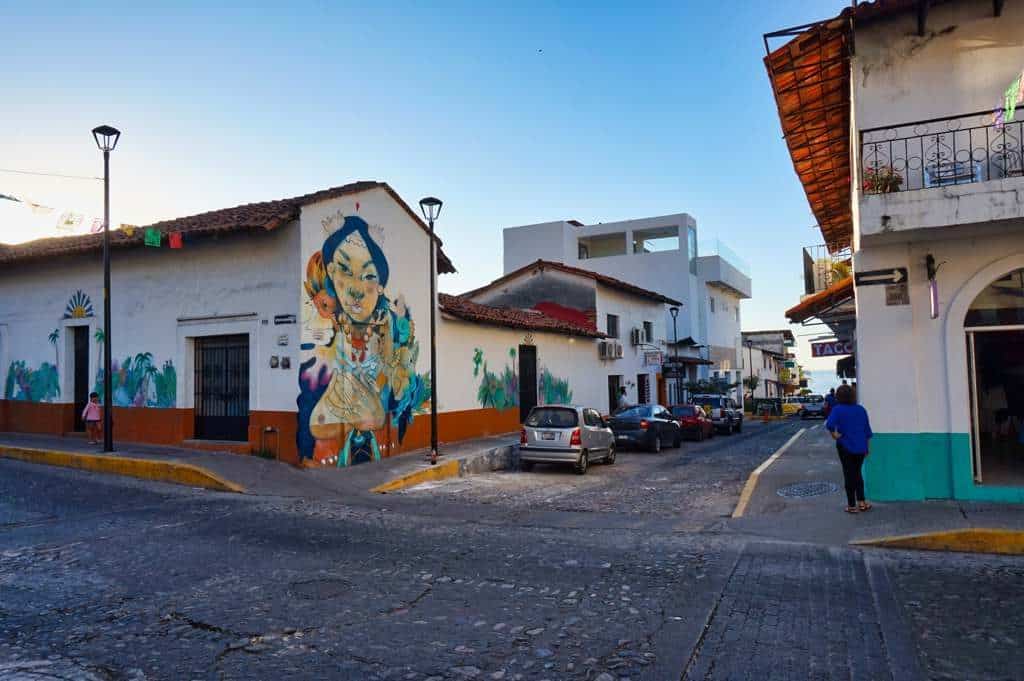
848 422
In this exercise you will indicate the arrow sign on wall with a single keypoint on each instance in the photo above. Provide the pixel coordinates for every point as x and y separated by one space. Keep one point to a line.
893 275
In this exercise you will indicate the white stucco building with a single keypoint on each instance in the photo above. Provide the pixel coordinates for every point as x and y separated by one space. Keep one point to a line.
299 327
630 318
659 254
921 110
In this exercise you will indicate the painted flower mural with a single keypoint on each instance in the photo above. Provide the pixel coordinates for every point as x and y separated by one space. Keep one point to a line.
358 374
136 382
31 385
500 391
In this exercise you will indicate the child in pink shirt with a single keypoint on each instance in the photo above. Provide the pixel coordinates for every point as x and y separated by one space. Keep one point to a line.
92 415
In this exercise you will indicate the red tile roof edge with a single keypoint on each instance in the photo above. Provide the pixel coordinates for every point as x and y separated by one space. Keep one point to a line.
610 282
810 306
467 310
265 215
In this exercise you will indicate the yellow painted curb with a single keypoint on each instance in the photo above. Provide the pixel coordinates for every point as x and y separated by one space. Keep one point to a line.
967 540
448 469
145 469
748 489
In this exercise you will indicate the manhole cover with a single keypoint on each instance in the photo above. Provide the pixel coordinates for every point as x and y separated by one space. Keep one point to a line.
802 490
320 589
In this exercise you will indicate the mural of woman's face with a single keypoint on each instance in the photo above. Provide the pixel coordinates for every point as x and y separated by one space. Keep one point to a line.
355 278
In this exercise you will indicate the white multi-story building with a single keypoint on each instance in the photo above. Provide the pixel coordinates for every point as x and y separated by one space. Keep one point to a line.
916 163
659 254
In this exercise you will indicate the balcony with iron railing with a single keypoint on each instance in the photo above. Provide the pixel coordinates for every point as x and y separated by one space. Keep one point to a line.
823 268
939 172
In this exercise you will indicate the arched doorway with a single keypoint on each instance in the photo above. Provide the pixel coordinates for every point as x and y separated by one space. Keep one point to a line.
995 342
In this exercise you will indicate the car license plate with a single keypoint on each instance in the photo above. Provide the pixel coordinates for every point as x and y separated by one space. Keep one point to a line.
547 436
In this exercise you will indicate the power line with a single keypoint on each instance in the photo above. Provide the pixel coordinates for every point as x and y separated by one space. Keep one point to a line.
67 177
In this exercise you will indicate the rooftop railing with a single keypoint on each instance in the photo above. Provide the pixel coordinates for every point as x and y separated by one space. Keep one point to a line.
717 247
822 267
941 152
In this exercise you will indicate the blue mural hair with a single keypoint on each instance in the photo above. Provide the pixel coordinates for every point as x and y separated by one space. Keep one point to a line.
354 223
306 402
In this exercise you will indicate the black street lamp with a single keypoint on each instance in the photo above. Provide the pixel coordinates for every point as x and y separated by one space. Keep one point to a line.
674 311
431 208
106 139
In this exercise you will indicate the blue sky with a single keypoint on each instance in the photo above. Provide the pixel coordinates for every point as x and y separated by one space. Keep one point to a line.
512 114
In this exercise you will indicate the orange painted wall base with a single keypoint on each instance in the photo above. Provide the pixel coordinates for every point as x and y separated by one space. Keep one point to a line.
273 432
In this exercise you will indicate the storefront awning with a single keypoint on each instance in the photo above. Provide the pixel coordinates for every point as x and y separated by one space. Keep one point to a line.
818 304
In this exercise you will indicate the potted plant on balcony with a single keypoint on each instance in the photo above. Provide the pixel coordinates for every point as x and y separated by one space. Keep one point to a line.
881 180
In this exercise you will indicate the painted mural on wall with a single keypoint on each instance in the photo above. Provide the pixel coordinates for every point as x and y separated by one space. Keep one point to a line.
358 377
553 390
79 306
32 385
499 391
137 382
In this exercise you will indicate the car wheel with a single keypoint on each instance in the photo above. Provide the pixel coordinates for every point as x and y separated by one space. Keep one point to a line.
582 463
610 458
700 435
739 427
525 466
656 445
678 440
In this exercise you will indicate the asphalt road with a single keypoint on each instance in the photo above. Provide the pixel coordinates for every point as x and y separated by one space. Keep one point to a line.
108 578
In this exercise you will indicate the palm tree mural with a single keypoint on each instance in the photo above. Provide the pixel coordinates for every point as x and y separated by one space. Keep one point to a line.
137 382
53 338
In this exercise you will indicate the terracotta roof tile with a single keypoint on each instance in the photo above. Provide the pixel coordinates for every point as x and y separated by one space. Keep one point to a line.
532 320
610 282
822 300
266 215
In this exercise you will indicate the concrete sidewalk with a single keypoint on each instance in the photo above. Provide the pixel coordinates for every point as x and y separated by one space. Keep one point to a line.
820 518
254 475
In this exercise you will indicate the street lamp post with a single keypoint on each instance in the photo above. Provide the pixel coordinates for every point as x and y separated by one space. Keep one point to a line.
431 208
106 139
674 311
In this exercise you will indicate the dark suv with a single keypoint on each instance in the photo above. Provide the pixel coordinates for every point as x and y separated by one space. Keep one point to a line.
723 410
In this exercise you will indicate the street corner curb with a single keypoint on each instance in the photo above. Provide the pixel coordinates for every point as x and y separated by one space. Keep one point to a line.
442 471
144 469
751 484
495 459
964 540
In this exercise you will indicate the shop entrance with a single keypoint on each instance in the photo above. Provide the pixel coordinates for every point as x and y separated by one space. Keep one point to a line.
995 343
80 359
527 380
222 388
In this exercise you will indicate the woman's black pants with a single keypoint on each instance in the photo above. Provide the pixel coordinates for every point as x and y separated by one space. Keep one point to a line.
852 477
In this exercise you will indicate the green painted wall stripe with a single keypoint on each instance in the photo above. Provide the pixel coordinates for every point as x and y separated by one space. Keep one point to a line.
918 466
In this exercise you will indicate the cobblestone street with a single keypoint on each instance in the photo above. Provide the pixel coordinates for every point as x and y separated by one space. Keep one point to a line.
107 578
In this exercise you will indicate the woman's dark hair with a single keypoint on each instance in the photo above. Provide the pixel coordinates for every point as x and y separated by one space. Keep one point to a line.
92 395
354 223
845 395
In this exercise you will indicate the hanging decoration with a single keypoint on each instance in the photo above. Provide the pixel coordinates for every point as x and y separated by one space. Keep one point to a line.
1006 110
174 240
153 237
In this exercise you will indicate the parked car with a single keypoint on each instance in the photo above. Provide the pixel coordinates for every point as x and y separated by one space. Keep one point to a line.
694 421
648 426
813 407
557 434
724 412
792 406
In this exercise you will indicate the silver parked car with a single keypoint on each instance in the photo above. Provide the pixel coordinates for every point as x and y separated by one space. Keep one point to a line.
564 434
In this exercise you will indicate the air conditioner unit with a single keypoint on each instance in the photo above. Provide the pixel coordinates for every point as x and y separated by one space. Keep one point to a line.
636 337
618 351
603 349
